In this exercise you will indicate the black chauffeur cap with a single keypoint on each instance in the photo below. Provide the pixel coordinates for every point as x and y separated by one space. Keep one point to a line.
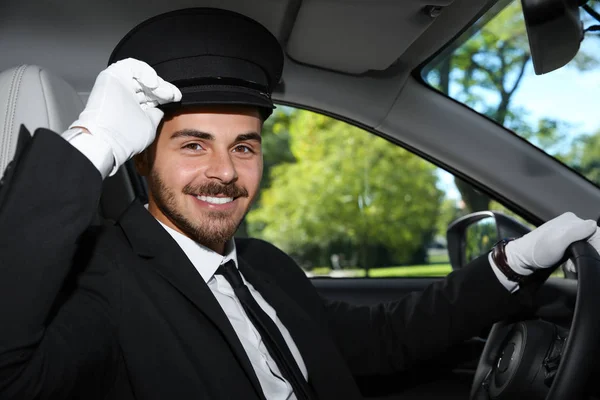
213 56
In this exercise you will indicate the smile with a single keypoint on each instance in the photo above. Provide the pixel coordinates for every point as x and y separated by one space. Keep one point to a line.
215 200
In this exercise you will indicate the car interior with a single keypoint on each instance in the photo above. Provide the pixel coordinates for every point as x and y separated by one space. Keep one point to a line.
358 61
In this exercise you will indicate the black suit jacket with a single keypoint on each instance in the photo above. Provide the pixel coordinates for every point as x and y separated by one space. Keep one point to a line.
120 312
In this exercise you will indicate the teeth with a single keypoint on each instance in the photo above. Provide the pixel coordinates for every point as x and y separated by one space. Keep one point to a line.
215 200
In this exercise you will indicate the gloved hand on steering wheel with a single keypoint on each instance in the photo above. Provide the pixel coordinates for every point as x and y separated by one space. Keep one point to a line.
545 246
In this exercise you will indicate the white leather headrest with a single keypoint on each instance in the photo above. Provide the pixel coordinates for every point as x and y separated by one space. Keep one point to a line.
33 96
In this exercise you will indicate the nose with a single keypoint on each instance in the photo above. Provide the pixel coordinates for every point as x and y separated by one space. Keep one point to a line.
221 167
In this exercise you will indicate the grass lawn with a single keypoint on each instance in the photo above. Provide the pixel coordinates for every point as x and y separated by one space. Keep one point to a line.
404 271
410 271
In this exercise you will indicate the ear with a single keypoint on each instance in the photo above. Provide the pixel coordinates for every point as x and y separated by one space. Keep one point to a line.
142 164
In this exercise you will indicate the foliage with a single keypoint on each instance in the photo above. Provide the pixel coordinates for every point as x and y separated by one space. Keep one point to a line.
584 156
486 71
276 141
347 190
492 63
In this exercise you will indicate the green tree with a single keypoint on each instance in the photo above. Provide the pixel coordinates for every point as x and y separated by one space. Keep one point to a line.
349 189
584 156
485 72
276 141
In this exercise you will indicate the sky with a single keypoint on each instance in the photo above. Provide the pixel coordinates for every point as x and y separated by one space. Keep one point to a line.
565 94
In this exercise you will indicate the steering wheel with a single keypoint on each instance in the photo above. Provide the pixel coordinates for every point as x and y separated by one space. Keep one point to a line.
539 360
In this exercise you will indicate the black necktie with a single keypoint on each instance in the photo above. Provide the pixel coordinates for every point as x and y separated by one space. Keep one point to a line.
269 332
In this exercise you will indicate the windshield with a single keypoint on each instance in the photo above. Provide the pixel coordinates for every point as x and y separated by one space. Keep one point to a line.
489 69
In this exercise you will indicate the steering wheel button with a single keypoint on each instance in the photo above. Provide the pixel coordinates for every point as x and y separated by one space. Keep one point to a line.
506 357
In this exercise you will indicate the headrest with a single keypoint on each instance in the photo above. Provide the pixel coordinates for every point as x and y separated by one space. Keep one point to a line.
35 97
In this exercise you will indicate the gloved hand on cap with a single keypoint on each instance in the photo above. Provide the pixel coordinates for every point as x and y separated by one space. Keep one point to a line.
121 109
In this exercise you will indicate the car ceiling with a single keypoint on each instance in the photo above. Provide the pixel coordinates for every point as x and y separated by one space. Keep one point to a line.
349 58
354 37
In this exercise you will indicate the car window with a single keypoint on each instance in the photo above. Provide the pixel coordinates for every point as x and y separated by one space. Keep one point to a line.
344 202
489 69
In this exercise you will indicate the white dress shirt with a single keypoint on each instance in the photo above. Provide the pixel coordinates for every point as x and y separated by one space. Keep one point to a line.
206 261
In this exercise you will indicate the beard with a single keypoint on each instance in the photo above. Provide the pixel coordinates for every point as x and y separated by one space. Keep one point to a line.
215 227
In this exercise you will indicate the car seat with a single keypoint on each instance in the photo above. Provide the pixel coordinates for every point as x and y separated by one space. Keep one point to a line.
35 97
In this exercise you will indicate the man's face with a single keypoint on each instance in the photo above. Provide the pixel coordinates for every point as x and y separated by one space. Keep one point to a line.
204 171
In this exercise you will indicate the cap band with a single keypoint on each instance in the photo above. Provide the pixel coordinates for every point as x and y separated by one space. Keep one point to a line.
211 66
230 84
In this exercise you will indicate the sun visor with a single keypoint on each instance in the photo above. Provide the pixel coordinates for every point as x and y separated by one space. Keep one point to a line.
358 35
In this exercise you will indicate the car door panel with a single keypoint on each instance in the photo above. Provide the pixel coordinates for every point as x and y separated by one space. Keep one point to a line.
449 376
369 291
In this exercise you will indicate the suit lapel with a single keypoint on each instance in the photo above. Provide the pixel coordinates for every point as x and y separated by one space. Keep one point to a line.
322 361
150 241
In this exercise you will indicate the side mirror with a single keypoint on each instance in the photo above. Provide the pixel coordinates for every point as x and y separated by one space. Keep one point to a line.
475 234
554 30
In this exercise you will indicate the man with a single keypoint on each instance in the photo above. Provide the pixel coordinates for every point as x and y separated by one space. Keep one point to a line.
165 304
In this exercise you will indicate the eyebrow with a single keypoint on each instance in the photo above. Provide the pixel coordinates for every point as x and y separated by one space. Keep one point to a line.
249 136
186 133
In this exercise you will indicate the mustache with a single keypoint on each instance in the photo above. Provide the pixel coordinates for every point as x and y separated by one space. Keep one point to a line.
216 189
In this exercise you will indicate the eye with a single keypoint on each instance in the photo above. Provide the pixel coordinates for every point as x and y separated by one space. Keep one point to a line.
193 146
243 149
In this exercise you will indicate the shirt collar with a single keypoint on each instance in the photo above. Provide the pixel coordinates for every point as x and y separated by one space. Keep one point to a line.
205 260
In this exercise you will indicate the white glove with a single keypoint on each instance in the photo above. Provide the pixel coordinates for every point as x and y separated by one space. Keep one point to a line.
121 109
594 240
545 246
